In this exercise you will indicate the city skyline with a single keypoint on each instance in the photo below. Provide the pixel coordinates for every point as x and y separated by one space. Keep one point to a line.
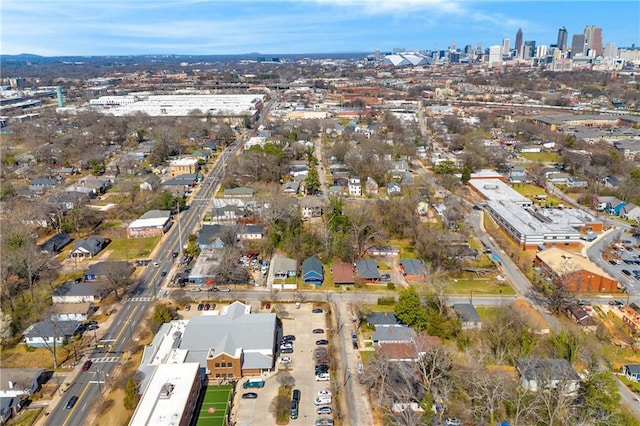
203 27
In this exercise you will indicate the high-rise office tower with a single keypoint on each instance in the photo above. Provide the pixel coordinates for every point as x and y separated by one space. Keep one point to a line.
610 50
593 40
495 56
528 49
562 39
519 42
577 45
453 46
505 46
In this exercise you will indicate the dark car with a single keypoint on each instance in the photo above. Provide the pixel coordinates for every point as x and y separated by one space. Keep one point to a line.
72 401
90 323
86 365
318 331
249 395
93 327
385 277
322 342
627 273
174 254
200 306
296 395
187 308
317 311
286 351
163 274
207 306
289 337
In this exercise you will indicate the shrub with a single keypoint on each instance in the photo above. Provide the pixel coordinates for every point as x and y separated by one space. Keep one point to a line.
391 286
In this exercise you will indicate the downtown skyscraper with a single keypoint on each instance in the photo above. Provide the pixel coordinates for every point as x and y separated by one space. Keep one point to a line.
519 43
562 39
593 41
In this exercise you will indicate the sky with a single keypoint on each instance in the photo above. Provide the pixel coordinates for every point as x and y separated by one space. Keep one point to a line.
222 27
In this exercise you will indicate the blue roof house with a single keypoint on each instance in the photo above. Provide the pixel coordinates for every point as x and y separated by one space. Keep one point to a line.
312 271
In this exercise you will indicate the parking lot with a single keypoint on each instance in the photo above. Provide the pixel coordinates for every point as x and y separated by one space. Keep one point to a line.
299 322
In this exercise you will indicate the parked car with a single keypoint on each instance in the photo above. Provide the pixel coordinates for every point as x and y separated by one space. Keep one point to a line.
296 395
249 395
87 365
318 331
93 327
385 277
322 400
200 306
289 337
324 422
285 360
187 308
452 422
322 342
324 410
317 311
207 306
72 401
323 377
324 392
286 351
294 410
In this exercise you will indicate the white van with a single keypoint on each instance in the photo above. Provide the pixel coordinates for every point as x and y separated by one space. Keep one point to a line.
323 400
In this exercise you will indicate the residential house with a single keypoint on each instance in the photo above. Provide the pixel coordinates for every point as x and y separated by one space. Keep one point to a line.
367 270
47 333
577 182
311 207
71 311
383 319
69 200
342 273
228 213
16 385
413 270
214 236
56 243
408 352
40 185
399 334
548 373
182 185
631 372
86 249
558 178
468 316
394 188
19 382
607 203
383 251
150 183
611 182
284 267
517 174
581 317
631 212
250 232
78 292
298 169
291 187
102 270
371 186
312 271
154 223
99 185
355 187
336 190
629 149
239 192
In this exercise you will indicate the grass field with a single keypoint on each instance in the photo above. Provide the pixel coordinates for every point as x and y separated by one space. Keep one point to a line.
542 157
215 406
131 248
485 285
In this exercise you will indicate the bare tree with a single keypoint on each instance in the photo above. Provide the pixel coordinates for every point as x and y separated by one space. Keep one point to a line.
435 369
118 275
488 391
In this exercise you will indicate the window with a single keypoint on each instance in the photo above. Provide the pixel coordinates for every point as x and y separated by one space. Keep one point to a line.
217 365
217 376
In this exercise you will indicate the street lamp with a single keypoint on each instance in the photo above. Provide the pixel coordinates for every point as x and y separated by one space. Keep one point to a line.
97 373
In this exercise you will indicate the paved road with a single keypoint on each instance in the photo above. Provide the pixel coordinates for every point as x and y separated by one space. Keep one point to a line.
88 385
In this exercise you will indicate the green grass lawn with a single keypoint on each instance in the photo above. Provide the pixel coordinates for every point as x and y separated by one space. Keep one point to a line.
214 406
488 312
530 190
482 285
26 418
131 248
542 157
407 251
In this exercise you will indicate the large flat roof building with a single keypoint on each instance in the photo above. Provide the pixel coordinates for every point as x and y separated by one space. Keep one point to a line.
170 396
497 190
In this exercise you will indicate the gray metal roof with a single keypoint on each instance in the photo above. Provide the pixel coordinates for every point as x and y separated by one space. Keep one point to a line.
413 267
549 369
236 329
80 289
466 312
367 269
393 334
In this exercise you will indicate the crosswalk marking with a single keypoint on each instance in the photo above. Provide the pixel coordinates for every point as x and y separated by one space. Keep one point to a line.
140 299
105 359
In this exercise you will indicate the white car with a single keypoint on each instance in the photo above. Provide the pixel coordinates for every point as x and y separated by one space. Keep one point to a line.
285 360
324 392
156 264
323 400
324 377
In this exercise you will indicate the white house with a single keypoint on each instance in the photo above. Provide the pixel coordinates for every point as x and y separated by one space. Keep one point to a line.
73 292
71 311
45 333
355 186
548 373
